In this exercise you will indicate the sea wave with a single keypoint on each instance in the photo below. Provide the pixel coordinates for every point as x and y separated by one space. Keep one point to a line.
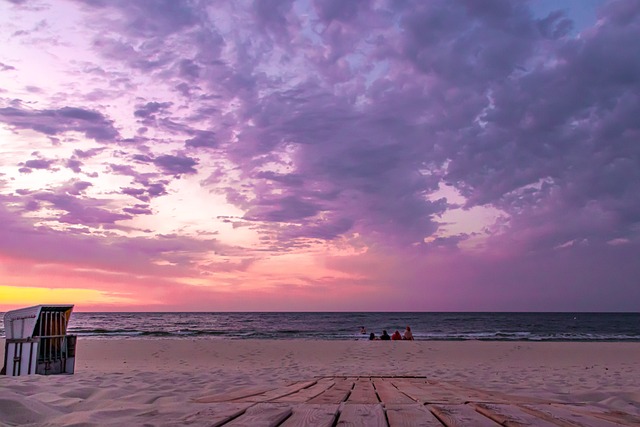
594 327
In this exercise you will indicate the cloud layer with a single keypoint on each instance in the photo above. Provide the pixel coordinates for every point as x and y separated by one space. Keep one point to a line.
445 149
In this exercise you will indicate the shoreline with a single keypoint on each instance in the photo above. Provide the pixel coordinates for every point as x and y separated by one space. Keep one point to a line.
168 375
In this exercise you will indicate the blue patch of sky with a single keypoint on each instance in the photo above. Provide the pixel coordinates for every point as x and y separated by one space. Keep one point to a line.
306 12
583 13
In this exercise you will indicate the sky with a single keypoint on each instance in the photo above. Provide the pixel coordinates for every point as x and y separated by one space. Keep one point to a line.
320 155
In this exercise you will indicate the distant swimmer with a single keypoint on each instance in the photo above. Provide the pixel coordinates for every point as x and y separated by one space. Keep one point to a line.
363 330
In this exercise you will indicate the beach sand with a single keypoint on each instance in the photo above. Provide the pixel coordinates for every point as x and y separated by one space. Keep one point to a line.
156 382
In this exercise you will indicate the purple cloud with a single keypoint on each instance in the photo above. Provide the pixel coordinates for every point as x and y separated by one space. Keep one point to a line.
444 92
39 163
330 10
348 121
138 210
55 122
283 209
176 165
6 67
123 169
81 211
87 154
271 15
147 193
76 187
156 189
74 165
150 108
202 138
20 239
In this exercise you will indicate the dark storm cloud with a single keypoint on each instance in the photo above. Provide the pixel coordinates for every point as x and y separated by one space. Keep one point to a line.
55 122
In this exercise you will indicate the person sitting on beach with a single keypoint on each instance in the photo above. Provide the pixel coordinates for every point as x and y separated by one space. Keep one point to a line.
372 336
385 336
407 334
396 336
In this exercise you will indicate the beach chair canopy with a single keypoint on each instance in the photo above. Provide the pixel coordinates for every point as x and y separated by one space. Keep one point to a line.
37 321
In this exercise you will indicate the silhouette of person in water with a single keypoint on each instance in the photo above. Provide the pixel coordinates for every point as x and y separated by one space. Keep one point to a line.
372 336
385 336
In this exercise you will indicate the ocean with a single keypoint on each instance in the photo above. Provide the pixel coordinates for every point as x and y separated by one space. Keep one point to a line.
347 326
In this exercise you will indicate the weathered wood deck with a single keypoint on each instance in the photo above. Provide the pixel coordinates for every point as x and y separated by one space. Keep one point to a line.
396 402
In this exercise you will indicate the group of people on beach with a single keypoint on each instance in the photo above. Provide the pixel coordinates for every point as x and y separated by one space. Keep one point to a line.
396 336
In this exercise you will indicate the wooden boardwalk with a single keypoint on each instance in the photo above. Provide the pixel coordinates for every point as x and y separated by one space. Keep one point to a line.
395 402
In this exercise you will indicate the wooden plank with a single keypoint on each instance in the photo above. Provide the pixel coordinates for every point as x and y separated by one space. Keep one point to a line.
312 416
618 417
511 415
414 415
426 393
262 415
471 394
215 415
460 415
364 415
336 394
279 392
564 417
389 394
235 394
305 394
363 392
